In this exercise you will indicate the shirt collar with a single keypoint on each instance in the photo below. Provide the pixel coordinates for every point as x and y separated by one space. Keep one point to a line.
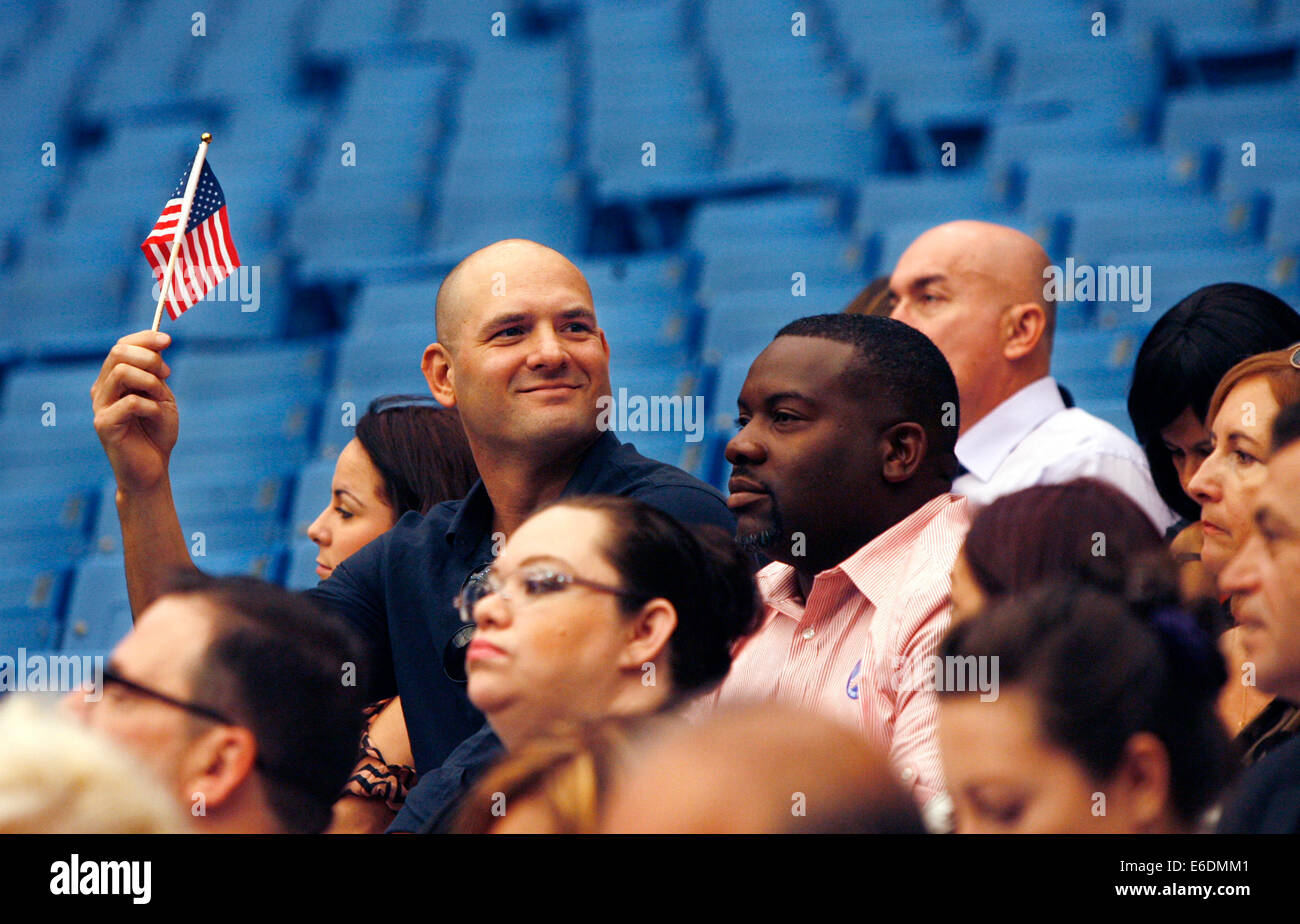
874 574
473 520
983 447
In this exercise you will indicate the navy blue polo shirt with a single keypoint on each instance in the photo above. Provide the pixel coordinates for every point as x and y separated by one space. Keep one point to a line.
397 592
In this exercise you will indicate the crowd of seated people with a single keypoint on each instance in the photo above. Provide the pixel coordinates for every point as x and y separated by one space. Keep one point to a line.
937 596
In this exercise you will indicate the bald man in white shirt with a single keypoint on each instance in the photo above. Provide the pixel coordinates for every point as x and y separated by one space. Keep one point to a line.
977 290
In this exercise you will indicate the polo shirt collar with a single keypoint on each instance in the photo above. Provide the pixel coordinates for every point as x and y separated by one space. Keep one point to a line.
984 447
473 520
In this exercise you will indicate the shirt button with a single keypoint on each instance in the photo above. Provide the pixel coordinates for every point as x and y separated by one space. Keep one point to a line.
908 774
809 632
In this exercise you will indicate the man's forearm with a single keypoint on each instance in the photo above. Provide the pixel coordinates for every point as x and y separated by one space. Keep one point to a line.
153 545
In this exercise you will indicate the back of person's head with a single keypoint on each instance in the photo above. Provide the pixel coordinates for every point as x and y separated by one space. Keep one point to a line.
1286 427
1279 368
875 299
1083 529
420 451
700 570
1104 667
899 365
279 666
759 769
1185 355
554 783
58 777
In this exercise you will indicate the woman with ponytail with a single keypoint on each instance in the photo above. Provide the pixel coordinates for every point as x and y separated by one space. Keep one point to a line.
1102 720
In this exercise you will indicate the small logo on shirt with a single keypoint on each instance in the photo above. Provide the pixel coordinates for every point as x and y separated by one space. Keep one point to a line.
851 688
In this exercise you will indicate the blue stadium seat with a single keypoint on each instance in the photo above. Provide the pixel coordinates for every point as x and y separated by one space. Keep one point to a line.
1283 232
204 376
1099 230
393 353
381 305
1176 274
930 199
1090 353
30 606
99 612
1199 117
28 388
765 269
310 496
301 571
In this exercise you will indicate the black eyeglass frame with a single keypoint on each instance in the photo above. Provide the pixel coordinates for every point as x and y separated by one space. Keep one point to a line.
110 675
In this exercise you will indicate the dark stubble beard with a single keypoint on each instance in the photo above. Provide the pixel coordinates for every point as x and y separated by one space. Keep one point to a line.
763 539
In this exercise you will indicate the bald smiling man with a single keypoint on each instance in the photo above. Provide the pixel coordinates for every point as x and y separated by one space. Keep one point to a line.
977 290
521 356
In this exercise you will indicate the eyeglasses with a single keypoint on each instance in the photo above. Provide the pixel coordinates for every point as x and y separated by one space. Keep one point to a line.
112 676
525 585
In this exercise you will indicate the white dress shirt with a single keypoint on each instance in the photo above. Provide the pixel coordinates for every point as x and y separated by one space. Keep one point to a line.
1033 438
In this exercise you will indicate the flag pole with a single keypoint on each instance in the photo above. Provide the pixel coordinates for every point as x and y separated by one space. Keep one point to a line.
165 289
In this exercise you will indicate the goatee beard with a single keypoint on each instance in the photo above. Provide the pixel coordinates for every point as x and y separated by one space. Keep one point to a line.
763 539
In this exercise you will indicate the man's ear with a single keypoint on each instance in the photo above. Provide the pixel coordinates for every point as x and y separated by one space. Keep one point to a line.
650 630
1023 328
903 449
218 763
436 366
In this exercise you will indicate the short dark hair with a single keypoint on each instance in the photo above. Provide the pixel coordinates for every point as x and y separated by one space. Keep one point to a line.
1185 355
1055 529
276 664
420 451
898 364
701 571
1286 428
1103 668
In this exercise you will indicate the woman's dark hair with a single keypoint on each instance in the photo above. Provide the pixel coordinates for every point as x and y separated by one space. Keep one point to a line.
1103 667
1186 353
420 450
1083 529
701 571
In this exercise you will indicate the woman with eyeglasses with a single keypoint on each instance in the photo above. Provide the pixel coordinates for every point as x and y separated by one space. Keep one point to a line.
597 607
409 454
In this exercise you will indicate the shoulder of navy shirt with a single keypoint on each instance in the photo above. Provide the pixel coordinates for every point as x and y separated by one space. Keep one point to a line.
431 803
397 592
1266 799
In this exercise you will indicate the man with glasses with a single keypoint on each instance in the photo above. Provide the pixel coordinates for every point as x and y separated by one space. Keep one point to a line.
520 355
235 693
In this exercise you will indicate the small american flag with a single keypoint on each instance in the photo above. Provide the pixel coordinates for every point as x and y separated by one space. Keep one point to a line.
207 254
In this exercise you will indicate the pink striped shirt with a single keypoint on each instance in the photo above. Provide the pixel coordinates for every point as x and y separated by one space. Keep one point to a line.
842 651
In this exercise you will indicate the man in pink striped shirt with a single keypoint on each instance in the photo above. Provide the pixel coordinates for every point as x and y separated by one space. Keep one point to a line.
841 474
